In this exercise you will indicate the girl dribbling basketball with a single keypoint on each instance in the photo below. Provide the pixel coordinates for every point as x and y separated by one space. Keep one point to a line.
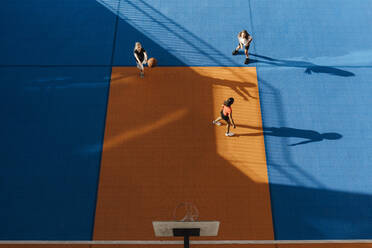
141 58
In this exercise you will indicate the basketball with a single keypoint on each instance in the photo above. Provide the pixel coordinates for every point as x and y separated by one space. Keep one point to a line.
152 62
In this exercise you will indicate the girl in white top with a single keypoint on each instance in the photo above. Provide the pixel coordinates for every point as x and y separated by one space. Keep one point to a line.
244 41
141 58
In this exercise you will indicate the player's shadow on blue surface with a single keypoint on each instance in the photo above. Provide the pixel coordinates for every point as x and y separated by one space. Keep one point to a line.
309 67
310 136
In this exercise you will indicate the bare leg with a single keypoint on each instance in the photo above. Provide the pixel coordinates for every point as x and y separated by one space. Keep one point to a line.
142 69
228 133
235 52
218 119
246 55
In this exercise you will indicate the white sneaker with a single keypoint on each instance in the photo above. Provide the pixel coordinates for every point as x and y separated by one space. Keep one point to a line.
229 134
142 74
217 123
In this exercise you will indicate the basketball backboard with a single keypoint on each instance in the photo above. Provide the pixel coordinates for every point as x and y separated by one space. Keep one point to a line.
165 228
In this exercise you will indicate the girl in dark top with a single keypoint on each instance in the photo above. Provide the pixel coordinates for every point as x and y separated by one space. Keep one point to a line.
141 58
245 40
226 115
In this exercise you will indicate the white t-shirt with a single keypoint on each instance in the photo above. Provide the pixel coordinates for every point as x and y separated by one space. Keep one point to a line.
243 41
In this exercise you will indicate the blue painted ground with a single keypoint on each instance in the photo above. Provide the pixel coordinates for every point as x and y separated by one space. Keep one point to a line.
313 60
314 69
52 128
45 32
318 135
53 114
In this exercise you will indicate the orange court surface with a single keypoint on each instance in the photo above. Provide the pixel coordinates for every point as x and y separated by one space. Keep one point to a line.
161 149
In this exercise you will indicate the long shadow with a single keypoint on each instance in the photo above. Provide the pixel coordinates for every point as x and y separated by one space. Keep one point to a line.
309 67
240 88
310 136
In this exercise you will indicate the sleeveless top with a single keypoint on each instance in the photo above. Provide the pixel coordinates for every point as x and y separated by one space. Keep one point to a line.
140 54
226 110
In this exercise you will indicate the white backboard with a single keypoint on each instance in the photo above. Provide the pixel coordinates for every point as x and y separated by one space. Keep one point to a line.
165 228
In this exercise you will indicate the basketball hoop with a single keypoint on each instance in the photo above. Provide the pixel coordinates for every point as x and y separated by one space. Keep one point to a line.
186 211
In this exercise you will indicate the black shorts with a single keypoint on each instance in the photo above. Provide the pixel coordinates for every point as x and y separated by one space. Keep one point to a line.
225 117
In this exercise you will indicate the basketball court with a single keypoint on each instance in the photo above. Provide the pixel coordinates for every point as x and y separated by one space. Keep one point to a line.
92 154
159 137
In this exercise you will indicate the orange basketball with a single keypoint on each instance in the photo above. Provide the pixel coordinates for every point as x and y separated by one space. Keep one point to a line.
152 62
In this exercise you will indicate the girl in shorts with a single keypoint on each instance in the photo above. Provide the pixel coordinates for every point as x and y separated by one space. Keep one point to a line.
141 58
245 40
226 115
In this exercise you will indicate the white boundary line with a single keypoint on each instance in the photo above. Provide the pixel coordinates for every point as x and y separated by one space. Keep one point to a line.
200 242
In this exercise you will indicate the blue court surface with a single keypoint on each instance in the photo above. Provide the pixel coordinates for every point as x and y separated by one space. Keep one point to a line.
52 131
313 61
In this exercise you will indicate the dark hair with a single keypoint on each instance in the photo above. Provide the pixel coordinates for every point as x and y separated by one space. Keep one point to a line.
244 32
228 102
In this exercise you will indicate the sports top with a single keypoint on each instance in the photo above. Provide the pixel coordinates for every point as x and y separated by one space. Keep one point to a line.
140 54
226 110
243 41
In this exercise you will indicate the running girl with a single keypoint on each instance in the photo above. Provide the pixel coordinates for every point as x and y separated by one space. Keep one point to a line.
226 115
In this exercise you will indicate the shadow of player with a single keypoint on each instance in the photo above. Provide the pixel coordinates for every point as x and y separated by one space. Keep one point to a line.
240 88
309 67
310 135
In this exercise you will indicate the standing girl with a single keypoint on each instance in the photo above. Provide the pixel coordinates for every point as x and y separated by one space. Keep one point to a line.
141 58
245 40
226 115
